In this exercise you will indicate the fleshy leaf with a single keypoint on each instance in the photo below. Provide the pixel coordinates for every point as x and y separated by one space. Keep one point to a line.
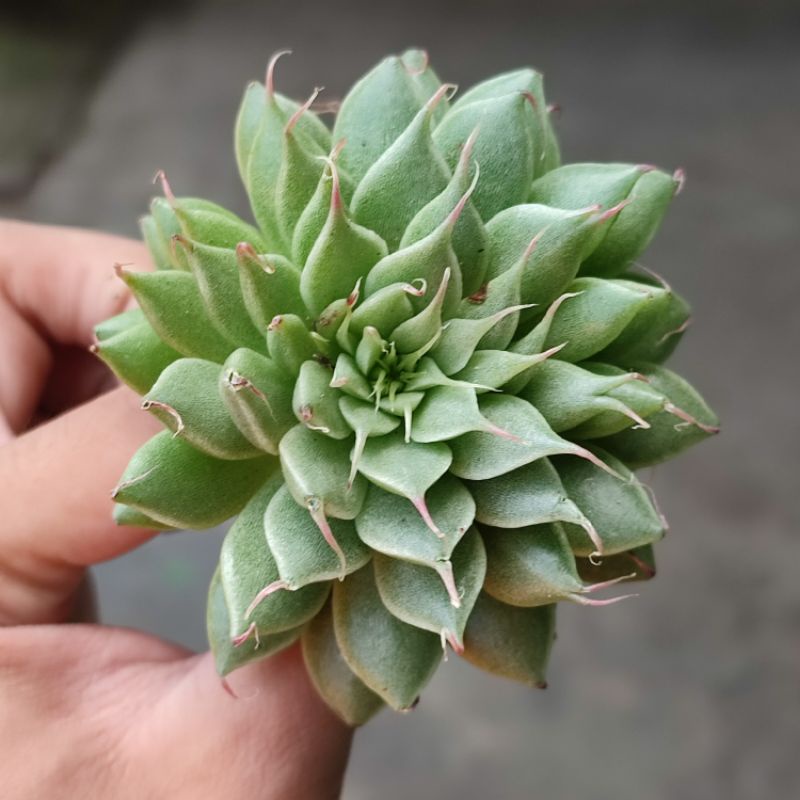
403 404
627 404
316 404
530 495
364 416
196 219
567 395
481 455
531 566
158 245
686 420
252 108
427 375
495 368
299 173
417 595
470 242
208 223
125 515
301 552
574 186
653 333
512 642
347 377
270 286
448 412
258 396
246 566
406 176
343 253
384 514
259 139
620 510
637 223
648 191
119 323
407 657
374 113
334 321
369 349
187 400
248 121
405 468
563 240
161 228
386 309
424 79
416 332
136 355
337 684
460 337
599 312
217 274
174 307
173 483
290 343
498 295
523 81
506 126
427 259
535 567
316 469
534 340
314 215
228 656
365 420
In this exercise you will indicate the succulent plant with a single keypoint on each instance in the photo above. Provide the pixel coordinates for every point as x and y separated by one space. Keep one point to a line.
422 380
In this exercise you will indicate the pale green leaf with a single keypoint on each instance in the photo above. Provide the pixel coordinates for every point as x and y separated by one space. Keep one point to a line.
438 600
337 684
511 642
302 552
394 659
173 483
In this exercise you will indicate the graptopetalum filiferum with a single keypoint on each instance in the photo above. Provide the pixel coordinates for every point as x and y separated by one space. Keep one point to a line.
422 380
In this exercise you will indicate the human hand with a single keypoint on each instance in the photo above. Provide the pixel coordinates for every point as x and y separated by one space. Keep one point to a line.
88 711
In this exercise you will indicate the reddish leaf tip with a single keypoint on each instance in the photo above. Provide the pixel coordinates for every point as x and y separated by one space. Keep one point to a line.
445 570
422 507
317 511
439 94
614 210
418 70
269 81
161 177
262 595
295 118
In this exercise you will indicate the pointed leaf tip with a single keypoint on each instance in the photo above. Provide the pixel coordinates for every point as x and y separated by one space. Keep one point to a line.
295 118
269 80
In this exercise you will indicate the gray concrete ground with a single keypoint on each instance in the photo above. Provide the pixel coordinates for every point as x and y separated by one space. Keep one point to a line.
691 690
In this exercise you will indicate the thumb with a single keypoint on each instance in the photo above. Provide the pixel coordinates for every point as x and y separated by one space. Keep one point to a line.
109 703
269 729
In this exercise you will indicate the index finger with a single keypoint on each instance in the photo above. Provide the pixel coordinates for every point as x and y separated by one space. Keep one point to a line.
56 284
61 279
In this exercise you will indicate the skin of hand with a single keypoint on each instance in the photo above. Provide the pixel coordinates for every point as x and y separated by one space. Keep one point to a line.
88 711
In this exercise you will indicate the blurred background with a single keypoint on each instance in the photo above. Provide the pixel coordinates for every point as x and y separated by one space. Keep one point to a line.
691 690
